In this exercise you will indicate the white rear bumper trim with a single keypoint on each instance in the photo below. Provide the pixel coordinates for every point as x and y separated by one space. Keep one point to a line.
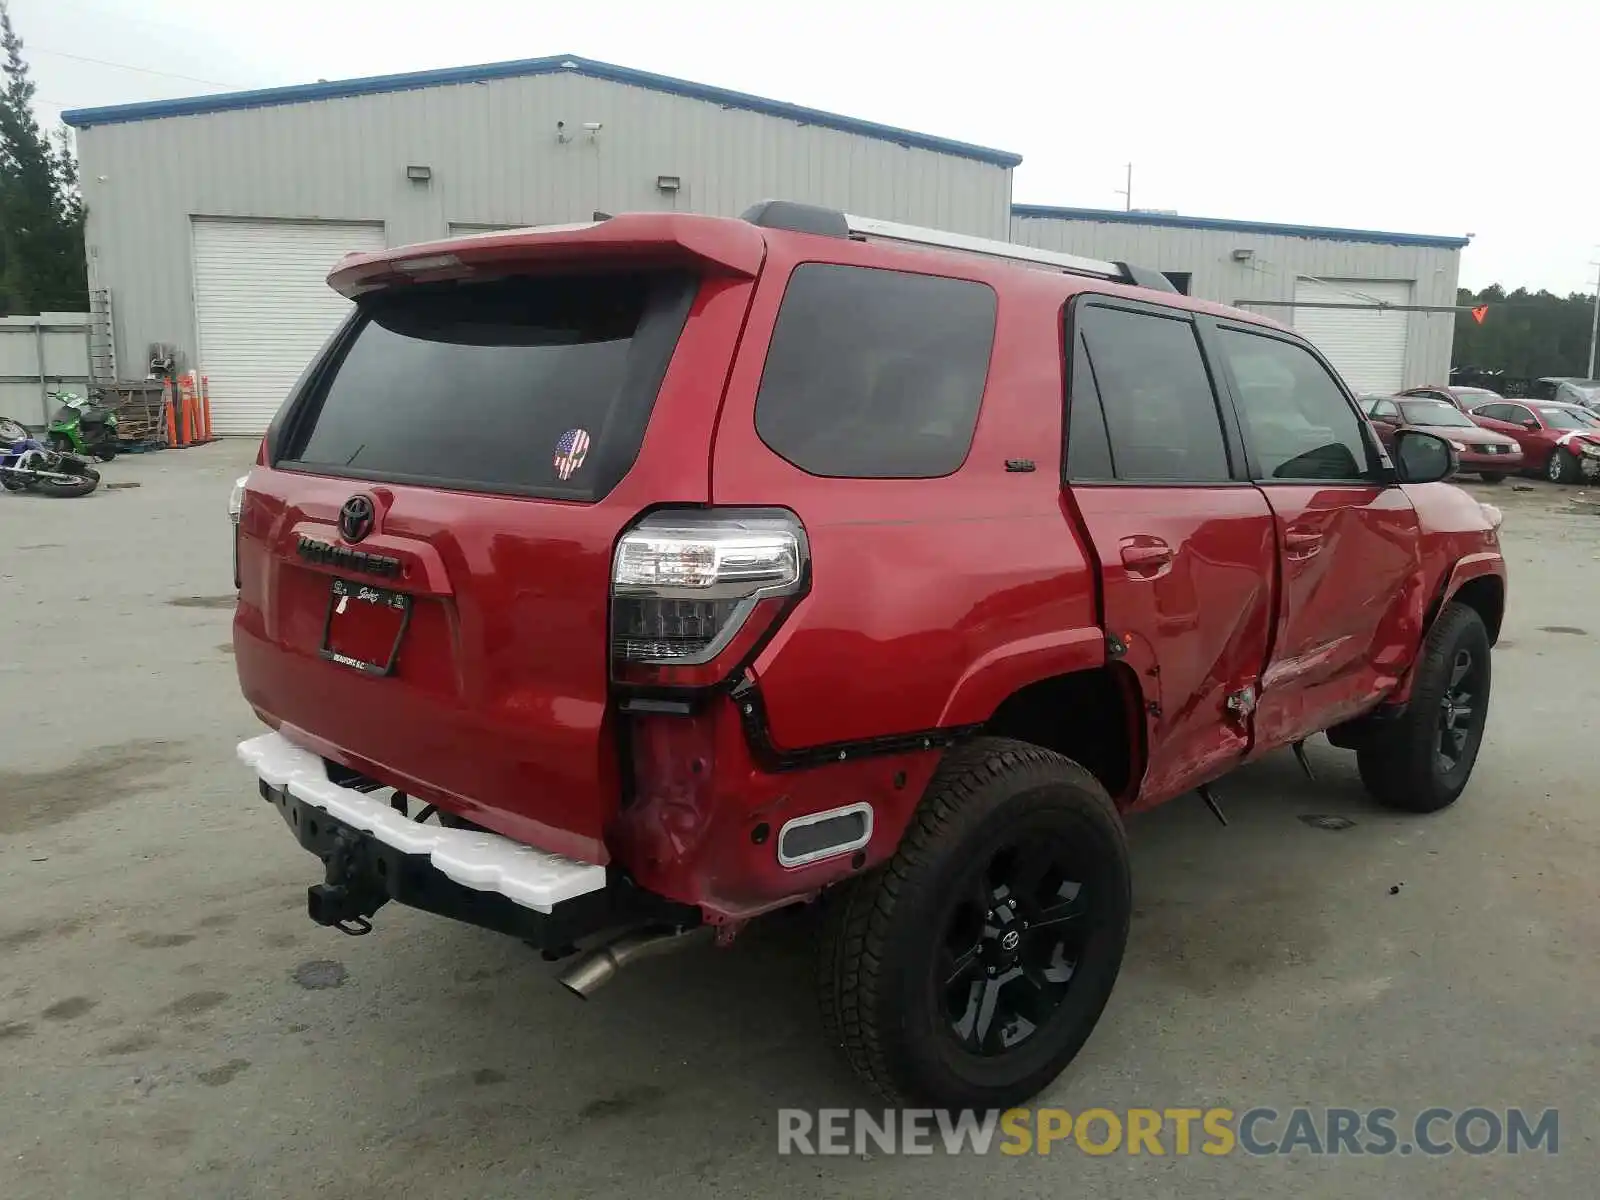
485 862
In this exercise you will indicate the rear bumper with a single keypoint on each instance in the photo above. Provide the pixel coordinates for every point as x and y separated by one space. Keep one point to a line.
373 854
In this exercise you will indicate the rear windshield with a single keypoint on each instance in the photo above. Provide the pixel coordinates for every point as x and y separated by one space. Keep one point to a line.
528 386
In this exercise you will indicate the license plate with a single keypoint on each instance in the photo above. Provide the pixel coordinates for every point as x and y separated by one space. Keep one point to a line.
365 626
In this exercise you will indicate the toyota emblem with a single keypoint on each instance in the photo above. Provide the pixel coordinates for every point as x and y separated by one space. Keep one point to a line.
1010 940
355 518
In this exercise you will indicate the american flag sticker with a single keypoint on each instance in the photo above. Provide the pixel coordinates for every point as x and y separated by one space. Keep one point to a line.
574 444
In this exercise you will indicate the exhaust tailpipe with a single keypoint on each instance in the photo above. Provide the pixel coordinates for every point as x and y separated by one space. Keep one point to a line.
596 968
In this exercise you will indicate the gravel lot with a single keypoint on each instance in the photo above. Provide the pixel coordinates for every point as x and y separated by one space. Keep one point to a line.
171 1024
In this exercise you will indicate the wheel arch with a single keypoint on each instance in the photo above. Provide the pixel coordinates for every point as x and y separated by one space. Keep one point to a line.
1477 581
1093 717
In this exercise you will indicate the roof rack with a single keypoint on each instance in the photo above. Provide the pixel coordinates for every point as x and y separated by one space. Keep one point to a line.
810 218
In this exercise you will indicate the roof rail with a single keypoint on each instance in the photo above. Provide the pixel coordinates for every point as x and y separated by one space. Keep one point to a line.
867 228
827 222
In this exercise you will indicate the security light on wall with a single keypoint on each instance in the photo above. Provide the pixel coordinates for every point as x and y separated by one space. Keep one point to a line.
1243 255
419 174
668 183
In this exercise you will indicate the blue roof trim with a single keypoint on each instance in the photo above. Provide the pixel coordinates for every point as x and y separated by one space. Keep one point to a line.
1327 233
82 118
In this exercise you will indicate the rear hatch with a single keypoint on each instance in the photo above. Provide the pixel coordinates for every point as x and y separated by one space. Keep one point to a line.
425 555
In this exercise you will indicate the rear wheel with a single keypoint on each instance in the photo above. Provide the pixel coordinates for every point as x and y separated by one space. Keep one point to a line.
86 482
1562 467
1422 761
971 969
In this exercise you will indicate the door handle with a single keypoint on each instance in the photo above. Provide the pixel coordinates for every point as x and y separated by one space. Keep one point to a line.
1302 543
1146 557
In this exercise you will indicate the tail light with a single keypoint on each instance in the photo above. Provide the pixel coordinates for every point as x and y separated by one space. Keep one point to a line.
693 591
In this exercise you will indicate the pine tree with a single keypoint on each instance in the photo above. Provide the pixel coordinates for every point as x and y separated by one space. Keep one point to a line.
41 214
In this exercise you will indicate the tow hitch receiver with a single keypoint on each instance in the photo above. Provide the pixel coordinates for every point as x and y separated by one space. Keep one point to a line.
350 895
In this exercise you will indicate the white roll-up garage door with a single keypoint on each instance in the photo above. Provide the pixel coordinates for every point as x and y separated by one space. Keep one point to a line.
263 307
1366 345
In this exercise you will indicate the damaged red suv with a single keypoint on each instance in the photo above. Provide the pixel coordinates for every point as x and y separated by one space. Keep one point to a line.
603 584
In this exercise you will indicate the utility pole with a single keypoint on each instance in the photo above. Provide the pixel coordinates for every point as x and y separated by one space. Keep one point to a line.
1127 192
1594 327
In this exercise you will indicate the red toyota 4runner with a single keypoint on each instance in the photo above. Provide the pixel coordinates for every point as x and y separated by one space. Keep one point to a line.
615 581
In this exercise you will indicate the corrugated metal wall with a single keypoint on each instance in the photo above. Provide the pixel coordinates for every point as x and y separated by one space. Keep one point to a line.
495 159
37 354
1271 271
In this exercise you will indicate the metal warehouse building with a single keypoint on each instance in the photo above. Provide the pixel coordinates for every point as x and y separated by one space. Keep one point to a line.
213 221
1379 305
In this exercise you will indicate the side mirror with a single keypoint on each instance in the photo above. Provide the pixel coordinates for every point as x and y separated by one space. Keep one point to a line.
1422 457
1531 425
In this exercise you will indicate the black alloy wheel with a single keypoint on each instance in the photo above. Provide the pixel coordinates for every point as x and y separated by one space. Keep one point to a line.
1013 938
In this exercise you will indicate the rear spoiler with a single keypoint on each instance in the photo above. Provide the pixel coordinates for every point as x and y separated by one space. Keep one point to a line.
642 239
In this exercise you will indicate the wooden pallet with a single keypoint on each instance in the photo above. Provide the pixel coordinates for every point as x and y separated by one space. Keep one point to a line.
141 415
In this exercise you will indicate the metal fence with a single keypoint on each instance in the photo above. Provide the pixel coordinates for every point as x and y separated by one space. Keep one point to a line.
38 355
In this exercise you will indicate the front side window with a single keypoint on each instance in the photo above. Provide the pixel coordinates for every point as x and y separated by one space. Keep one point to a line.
875 374
1160 410
1296 417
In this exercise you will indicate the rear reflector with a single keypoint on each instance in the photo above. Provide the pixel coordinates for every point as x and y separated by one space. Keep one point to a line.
824 835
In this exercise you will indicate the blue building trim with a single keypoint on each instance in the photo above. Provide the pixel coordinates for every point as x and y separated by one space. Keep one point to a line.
1325 233
83 118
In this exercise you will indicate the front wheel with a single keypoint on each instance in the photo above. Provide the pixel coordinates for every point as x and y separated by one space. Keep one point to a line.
1422 760
971 969
1562 467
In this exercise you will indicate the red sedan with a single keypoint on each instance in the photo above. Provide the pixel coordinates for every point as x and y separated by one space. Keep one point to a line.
1560 441
1489 453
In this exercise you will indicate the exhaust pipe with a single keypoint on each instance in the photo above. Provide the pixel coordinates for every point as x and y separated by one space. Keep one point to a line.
596 968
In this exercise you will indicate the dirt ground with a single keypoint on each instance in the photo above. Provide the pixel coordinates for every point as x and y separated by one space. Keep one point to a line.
172 1025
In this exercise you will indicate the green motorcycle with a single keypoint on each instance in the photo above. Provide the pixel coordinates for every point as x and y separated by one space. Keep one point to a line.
79 428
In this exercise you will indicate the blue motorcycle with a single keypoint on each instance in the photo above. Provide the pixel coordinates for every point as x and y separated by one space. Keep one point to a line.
28 465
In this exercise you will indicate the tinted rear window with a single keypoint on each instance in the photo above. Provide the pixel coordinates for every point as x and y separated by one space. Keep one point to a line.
533 386
875 374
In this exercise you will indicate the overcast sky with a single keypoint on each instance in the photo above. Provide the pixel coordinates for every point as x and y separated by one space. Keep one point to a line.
1419 116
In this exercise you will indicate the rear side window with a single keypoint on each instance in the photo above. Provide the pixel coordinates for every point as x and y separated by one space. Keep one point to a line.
528 386
1088 446
875 374
1160 410
1299 423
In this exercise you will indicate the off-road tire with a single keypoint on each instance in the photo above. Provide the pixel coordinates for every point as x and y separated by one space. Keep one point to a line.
1400 765
881 932
1562 467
